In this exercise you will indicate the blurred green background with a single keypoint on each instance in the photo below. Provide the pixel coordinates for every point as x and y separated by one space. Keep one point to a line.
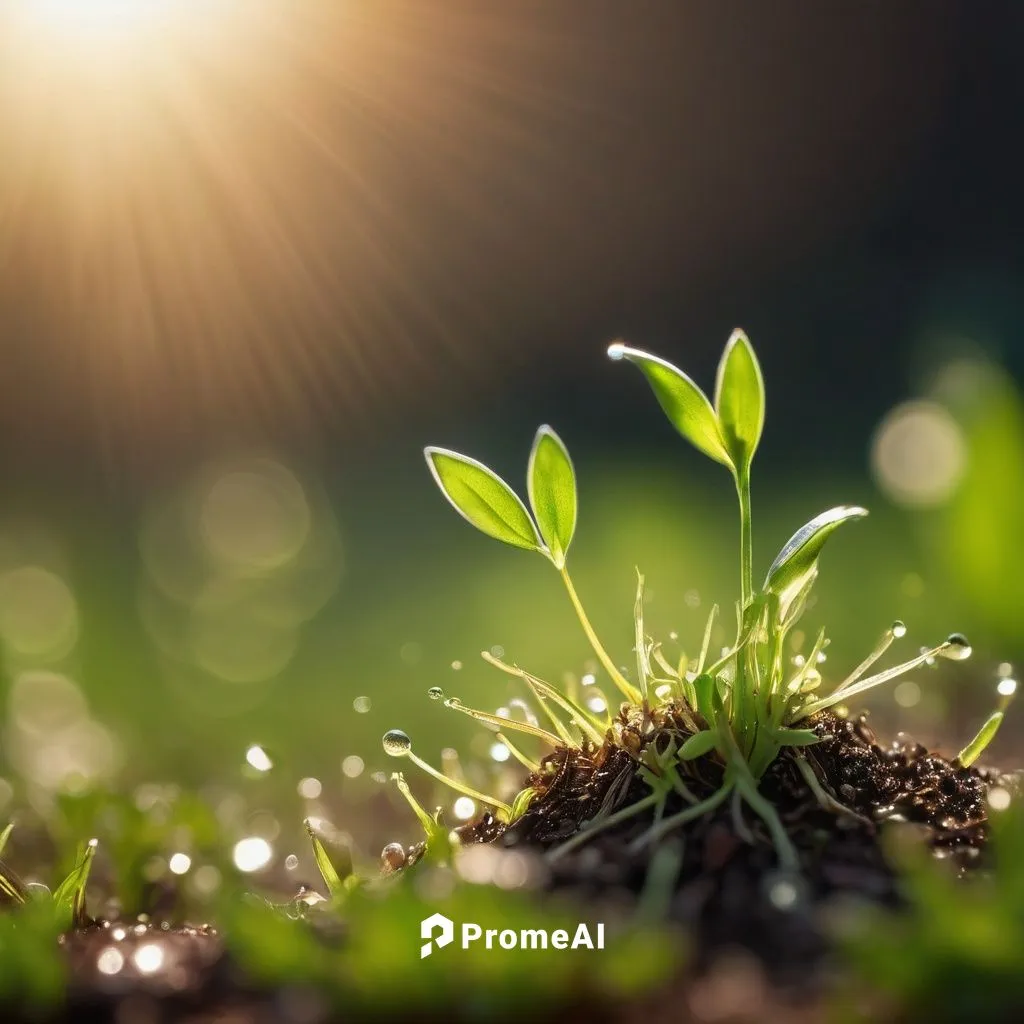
270 262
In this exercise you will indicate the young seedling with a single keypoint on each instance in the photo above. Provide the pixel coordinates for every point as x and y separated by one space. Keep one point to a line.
339 883
67 900
741 712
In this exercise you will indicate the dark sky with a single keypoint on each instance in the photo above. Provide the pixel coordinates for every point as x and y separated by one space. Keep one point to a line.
420 217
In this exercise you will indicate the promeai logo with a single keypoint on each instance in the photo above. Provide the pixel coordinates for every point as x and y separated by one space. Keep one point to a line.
444 929
439 931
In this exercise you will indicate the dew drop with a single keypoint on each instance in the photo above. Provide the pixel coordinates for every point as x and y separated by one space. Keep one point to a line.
435 693
898 629
396 743
956 648
291 862
392 857
306 898
1006 687
616 350
453 702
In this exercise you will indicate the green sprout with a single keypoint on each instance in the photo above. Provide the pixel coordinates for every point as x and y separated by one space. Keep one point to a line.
67 901
339 883
744 709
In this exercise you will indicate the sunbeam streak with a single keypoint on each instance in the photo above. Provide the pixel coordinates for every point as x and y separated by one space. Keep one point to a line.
205 219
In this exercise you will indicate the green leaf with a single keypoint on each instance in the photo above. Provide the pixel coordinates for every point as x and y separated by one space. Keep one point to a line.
521 803
699 744
797 561
739 400
704 686
796 737
551 485
332 879
483 498
984 737
5 835
69 896
686 406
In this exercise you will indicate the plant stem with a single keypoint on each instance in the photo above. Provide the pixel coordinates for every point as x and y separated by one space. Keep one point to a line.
601 824
460 787
629 691
668 824
746 537
788 857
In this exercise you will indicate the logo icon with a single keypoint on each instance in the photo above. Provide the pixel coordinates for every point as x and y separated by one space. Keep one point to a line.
444 929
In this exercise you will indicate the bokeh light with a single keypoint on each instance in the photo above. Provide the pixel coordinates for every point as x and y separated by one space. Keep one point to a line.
918 454
38 613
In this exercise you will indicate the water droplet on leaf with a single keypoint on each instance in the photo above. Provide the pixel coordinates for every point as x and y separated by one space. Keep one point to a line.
899 629
435 693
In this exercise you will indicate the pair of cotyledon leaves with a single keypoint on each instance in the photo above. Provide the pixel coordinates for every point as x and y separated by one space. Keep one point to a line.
727 431
482 497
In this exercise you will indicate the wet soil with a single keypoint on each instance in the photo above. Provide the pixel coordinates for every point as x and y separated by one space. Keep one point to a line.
751 922
727 889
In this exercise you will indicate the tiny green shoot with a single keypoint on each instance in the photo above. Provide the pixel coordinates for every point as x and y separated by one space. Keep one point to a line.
67 900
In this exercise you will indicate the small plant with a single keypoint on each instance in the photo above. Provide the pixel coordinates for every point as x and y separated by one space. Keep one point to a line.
739 711
67 901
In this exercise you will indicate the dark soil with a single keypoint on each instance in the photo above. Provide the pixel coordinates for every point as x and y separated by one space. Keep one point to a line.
728 890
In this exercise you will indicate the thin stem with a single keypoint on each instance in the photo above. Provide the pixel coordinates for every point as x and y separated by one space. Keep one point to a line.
604 823
526 762
629 691
788 857
866 684
880 648
579 715
746 537
824 798
663 827
429 825
454 704
460 787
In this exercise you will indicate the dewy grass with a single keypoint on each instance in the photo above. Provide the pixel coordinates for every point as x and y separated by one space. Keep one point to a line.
67 901
746 708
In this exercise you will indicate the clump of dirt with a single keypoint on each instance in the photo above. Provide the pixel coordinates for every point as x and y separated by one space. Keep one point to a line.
728 888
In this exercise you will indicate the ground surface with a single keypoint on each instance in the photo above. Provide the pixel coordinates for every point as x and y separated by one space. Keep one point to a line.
751 922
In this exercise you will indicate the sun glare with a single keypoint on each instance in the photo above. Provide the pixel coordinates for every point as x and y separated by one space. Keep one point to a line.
208 209
98 21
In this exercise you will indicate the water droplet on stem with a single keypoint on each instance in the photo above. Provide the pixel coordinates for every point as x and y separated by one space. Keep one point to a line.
396 743
956 648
